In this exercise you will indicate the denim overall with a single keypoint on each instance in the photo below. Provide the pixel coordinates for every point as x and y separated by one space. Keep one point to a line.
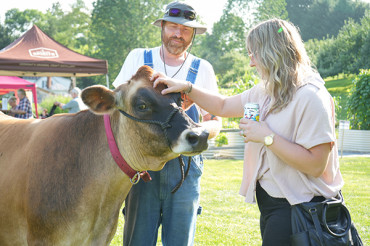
150 204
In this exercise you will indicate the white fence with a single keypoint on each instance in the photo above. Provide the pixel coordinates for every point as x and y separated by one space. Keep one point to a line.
233 150
353 140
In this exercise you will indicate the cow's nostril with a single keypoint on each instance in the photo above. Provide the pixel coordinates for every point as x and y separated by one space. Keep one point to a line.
192 138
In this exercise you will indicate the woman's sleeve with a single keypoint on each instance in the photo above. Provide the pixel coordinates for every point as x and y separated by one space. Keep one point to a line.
315 123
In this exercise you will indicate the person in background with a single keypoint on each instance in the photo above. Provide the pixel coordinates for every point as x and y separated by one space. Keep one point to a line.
75 105
13 104
290 154
151 204
23 110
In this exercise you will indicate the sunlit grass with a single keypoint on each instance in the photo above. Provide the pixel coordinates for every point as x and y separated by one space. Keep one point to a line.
227 220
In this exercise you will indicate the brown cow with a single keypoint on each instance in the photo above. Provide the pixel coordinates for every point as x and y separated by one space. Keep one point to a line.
59 184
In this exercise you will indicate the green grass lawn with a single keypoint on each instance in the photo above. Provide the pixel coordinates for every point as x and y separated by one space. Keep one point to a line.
227 220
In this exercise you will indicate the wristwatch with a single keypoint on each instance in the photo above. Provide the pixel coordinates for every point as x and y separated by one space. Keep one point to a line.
269 139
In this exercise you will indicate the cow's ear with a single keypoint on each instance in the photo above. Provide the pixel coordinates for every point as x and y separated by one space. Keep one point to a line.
99 99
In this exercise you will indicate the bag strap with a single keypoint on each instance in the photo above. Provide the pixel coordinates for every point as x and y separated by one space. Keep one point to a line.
337 203
315 219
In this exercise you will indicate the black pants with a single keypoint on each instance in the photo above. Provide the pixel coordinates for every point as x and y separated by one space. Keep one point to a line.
275 217
275 223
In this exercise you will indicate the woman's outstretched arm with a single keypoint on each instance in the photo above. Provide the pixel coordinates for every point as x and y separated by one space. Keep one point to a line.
213 103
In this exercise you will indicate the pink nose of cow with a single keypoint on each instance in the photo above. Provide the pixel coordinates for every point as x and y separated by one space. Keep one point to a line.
197 141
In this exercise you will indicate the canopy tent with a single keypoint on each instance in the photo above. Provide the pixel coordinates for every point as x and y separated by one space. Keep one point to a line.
8 84
36 54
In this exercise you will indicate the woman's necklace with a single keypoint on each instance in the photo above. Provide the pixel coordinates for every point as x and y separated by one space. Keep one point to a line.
164 63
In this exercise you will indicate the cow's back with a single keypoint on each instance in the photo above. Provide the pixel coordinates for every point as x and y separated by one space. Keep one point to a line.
44 173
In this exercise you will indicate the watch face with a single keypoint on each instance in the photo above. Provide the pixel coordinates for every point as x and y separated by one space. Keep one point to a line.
268 140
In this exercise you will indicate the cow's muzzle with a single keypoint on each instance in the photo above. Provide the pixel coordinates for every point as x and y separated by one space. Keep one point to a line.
192 142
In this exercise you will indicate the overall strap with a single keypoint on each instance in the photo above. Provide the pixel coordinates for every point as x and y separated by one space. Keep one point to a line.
148 58
193 70
192 112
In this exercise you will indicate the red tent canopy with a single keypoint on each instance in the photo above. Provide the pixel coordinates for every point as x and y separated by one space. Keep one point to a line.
8 84
36 54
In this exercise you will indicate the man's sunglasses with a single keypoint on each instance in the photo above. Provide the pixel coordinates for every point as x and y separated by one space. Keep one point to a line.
188 14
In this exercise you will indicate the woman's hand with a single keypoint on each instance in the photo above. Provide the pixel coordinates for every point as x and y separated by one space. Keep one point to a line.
174 85
309 161
254 131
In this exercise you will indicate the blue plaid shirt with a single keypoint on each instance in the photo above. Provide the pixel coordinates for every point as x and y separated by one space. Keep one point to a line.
24 105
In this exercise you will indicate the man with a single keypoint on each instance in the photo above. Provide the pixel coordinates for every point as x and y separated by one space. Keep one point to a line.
150 204
23 110
76 104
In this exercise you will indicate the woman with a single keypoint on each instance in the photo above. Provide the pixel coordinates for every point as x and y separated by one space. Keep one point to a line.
13 104
290 154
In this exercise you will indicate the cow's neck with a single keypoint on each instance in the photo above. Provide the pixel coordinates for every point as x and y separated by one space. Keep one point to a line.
120 161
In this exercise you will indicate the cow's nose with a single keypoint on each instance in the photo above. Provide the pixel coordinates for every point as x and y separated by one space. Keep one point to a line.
198 141
192 138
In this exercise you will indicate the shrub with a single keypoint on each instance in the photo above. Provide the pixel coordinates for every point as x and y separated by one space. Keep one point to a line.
48 103
221 139
249 80
359 101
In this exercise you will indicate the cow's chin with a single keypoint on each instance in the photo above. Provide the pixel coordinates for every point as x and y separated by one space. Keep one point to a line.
191 153
159 167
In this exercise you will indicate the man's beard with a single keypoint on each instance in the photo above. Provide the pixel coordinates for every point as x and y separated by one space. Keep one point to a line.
175 48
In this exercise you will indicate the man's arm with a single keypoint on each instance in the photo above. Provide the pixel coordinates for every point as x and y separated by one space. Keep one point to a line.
17 111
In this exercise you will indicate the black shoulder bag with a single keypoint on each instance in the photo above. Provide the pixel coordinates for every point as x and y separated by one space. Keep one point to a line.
323 223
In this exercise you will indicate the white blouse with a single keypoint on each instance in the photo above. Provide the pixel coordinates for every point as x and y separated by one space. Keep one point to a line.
308 120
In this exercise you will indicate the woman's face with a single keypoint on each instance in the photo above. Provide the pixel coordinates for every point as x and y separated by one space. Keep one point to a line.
12 103
253 62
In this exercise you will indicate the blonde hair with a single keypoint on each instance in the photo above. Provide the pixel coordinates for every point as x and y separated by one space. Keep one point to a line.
279 52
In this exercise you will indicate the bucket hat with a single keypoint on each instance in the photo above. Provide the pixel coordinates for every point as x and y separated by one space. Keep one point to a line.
183 14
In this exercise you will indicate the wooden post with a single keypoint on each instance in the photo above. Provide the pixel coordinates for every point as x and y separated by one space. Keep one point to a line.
48 83
73 82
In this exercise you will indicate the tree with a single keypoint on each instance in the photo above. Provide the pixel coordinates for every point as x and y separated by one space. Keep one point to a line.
225 47
359 101
5 36
348 52
269 9
317 19
118 26
70 28
21 21
228 36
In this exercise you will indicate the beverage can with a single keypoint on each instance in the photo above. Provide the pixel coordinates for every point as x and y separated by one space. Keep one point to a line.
252 111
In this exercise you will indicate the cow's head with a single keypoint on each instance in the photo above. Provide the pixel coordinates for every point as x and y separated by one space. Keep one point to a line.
151 128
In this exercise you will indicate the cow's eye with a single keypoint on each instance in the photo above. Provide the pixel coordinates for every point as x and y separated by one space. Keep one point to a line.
142 107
